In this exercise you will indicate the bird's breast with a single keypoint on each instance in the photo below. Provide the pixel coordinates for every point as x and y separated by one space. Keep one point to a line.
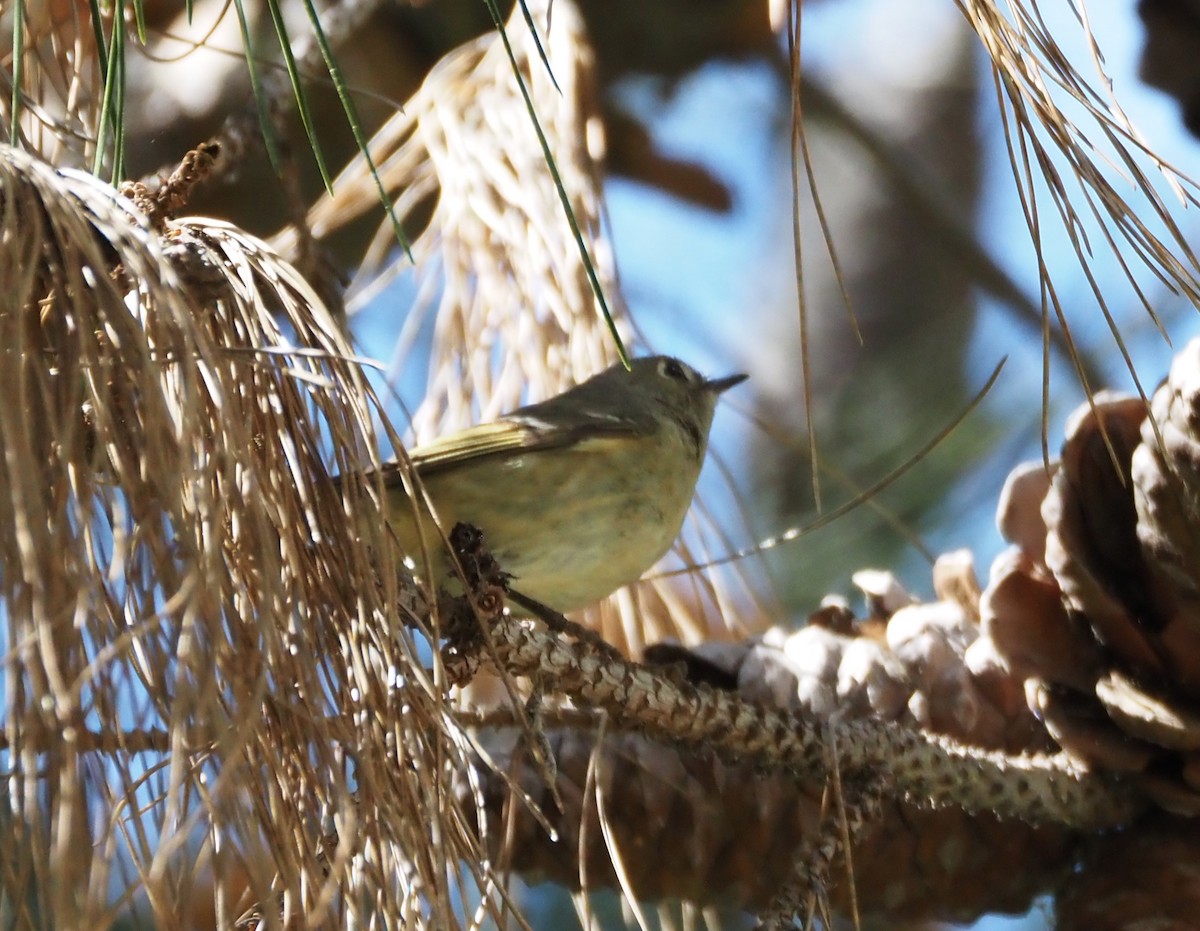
572 525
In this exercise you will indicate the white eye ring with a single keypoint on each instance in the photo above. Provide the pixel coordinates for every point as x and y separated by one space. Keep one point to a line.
673 368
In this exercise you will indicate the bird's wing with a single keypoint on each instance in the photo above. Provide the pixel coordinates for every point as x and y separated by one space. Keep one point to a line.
522 432
488 439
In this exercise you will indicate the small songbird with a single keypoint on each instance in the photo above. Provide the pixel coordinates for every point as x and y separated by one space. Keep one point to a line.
577 495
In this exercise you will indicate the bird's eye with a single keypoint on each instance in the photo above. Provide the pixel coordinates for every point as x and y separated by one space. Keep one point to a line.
673 368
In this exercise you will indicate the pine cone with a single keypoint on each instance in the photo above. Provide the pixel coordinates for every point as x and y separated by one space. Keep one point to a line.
920 664
1097 604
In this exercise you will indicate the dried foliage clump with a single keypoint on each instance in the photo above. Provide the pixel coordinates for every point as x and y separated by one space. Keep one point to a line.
497 248
205 673
58 69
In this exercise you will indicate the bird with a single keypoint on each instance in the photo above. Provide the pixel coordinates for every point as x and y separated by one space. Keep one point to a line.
577 495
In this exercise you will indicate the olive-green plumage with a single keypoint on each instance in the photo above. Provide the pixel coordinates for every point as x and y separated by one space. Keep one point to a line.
578 495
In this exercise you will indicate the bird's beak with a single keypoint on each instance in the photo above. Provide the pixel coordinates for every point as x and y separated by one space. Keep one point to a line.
717 385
